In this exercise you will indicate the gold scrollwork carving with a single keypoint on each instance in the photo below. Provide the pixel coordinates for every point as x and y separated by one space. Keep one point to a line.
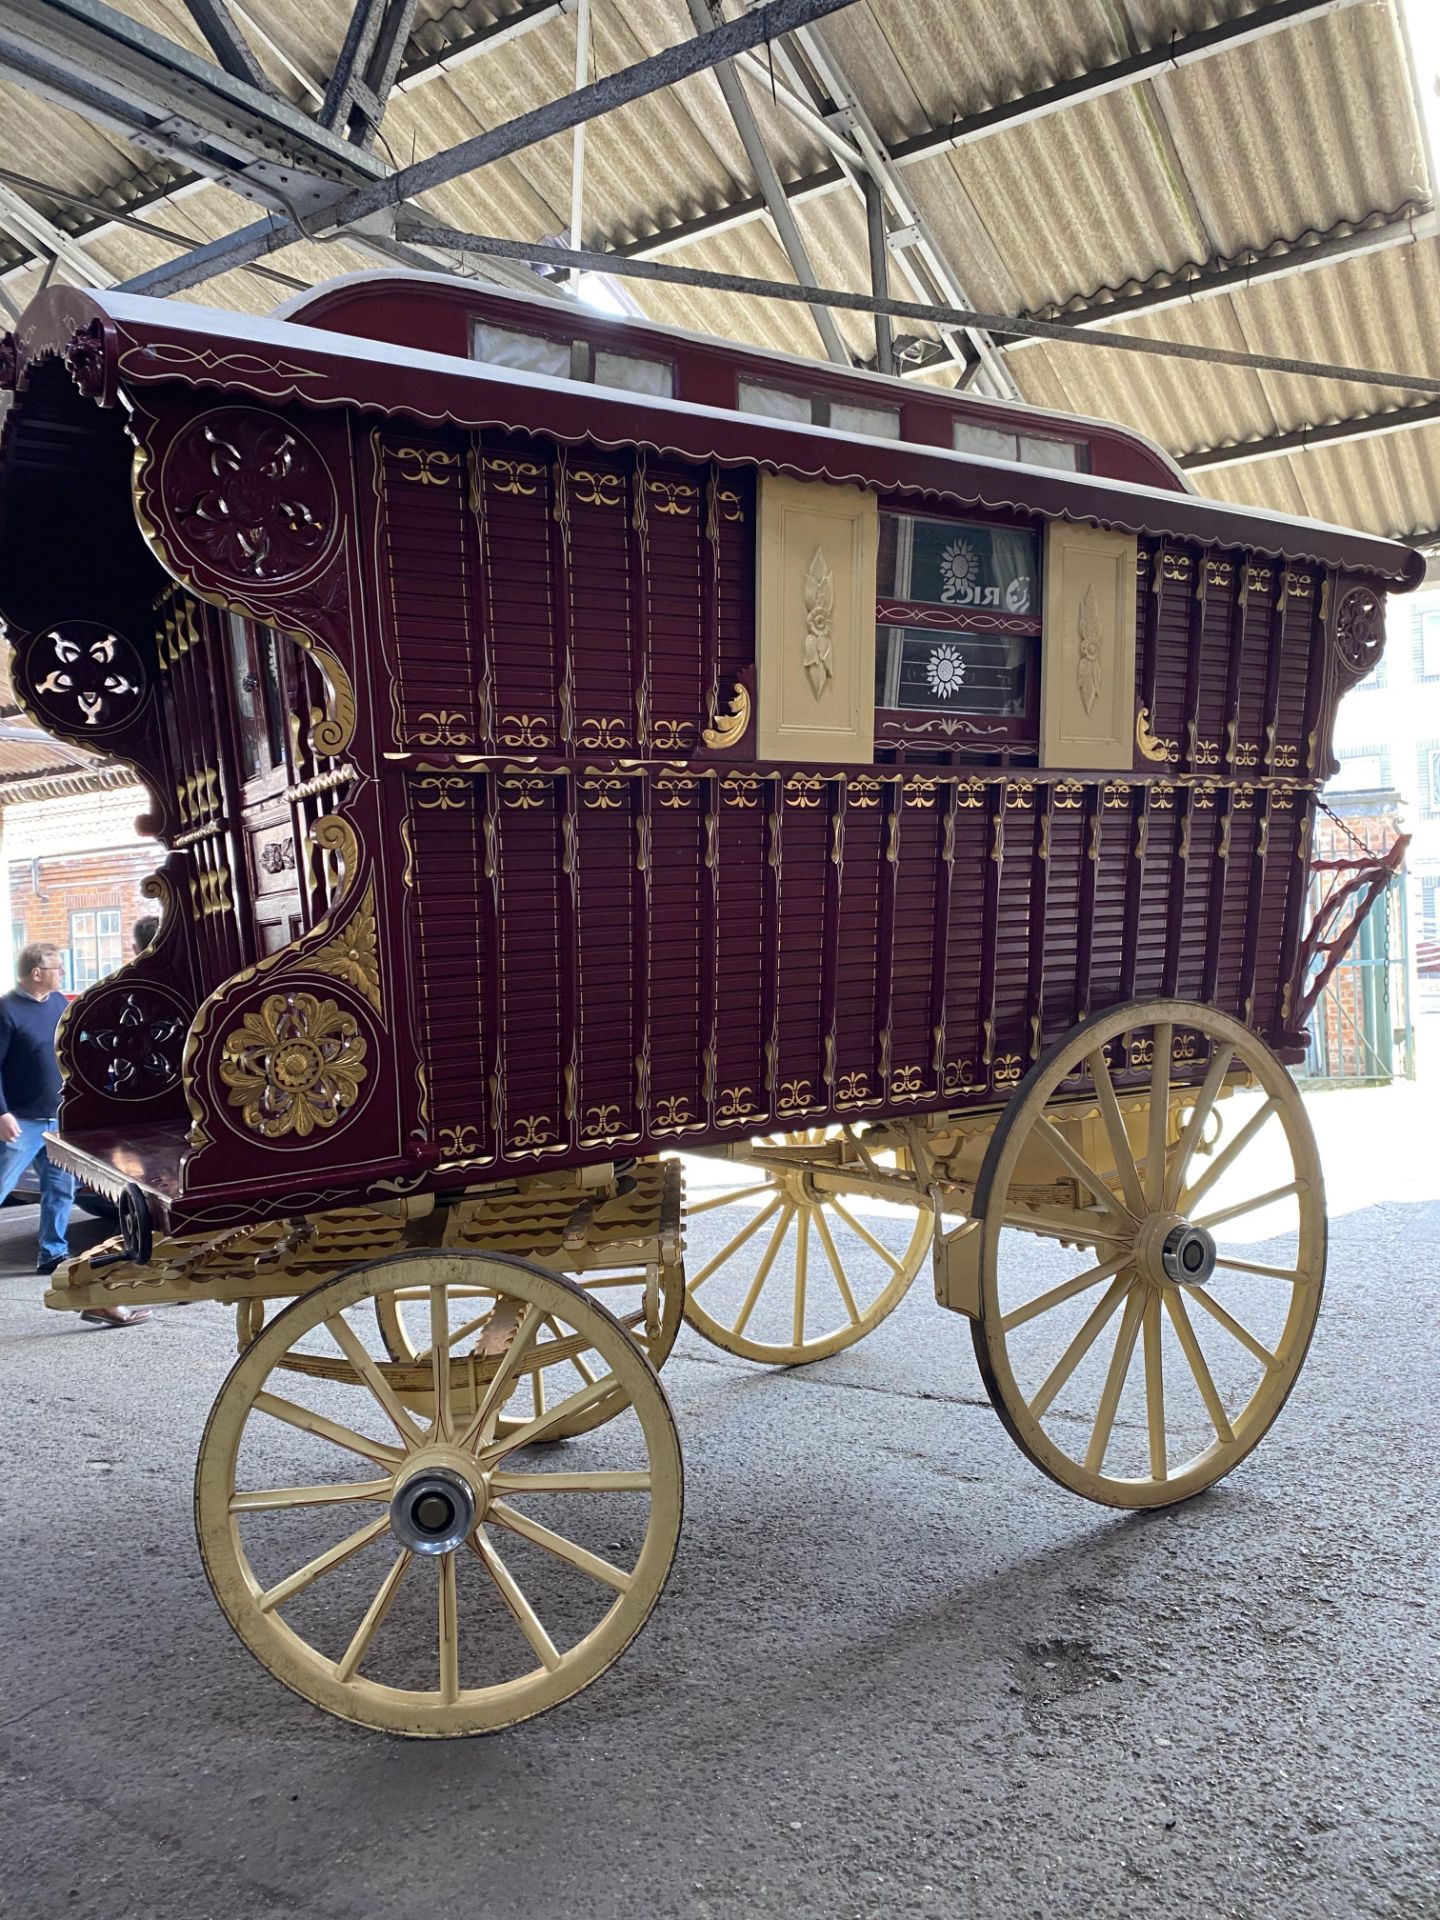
795 1097
523 730
593 488
920 791
852 1088
430 468
804 790
294 1064
728 502
672 1112
535 1130
525 792
673 736
1006 1070
603 793
1142 1051
741 790
1114 795
958 1076
676 789
598 735
1067 796
441 792
862 790
673 496
1162 796
443 729
460 1142
970 793
727 728
600 1122
735 1104
906 1083
513 476
1150 745
353 955
1019 794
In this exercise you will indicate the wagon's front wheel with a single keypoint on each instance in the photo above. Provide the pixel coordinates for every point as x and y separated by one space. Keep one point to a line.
1150 1255
393 1557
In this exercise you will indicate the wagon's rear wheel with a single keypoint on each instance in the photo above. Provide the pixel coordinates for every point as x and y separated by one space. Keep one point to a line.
1141 1339
800 1272
390 1555
647 1303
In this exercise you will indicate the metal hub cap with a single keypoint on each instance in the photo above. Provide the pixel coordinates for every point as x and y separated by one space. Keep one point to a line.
433 1511
1188 1255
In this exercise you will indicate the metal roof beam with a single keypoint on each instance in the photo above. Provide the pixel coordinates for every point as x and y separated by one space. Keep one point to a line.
541 123
427 65
365 72
1367 426
227 42
29 225
1274 17
706 15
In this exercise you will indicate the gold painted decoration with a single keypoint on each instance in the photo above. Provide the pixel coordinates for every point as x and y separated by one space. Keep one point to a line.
353 955
1020 795
441 792
862 790
600 1123
795 1097
970 793
1162 796
442 728
459 1142
852 1088
676 789
431 468
603 793
535 1130
728 728
1151 747
295 1064
735 1104
1007 1070
919 791
592 488
513 476
804 790
673 736
1067 796
524 793
906 1083
958 1076
523 730
672 1113
602 735
673 496
741 789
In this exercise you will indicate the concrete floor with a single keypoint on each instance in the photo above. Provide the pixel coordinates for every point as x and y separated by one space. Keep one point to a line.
896 1671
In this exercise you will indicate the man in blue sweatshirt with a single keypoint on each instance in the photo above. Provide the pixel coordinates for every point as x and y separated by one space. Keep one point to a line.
29 1098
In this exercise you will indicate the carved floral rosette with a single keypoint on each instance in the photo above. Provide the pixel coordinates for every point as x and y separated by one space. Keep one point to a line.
295 1063
84 681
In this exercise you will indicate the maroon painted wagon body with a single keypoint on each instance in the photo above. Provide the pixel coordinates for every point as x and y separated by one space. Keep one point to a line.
428 663
575 743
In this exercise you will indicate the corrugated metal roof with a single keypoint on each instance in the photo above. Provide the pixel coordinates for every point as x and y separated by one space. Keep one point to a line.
1300 132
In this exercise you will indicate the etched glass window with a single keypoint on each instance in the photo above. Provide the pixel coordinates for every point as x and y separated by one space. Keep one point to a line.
526 352
957 618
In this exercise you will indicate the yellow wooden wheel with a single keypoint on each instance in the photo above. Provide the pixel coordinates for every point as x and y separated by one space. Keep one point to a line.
799 1274
648 1304
1115 1229
392 1557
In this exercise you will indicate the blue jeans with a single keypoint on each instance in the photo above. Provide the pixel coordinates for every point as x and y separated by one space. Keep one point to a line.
57 1188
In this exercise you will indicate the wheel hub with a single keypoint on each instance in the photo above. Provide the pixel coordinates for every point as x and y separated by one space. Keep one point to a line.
1169 1251
433 1510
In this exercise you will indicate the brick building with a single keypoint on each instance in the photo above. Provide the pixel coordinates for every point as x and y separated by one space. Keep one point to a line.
75 869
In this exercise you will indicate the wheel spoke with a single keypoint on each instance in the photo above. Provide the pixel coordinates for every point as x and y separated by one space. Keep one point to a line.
537 1389
449 1631
322 1563
1078 1166
1292 1274
498 1391
586 1373
349 1661
563 1549
1195 1125
1227 1156
753 1190
1242 1207
590 1480
1185 1333
1080 1345
762 1272
521 1611
1155 1389
1065 1291
822 1227
751 1226
295 1415
1114 1384
1115 1126
350 1344
864 1233
1233 1327
440 1364
273 1499
1161 1041
542 1423
802 1276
